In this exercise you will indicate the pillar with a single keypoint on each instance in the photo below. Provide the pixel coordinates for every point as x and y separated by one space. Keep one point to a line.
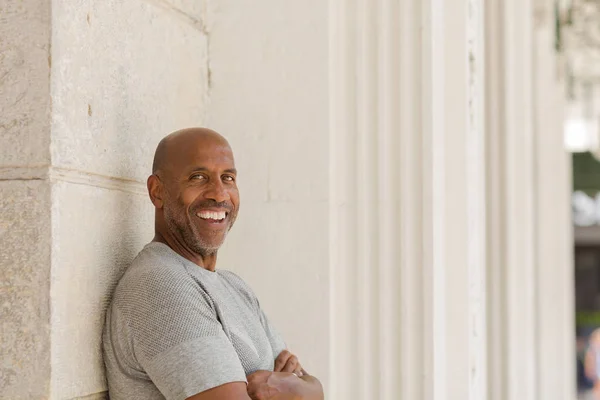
25 222
555 274
89 88
407 225
530 271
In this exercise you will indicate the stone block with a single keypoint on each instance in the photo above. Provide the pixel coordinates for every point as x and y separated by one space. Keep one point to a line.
195 12
96 233
25 240
125 73
270 94
24 83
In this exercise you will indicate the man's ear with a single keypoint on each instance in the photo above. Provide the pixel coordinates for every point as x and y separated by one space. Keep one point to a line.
155 191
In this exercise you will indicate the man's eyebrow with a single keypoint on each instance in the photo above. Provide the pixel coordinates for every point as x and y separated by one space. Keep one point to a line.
204 169
196 169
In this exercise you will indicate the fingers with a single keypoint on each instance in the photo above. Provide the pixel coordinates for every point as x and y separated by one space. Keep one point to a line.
291 365
287 362
281 360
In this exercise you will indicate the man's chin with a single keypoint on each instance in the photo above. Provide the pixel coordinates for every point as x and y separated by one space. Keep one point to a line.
207 247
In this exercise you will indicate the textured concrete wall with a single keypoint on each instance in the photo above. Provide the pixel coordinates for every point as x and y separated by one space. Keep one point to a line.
97 232
24 200
24 83
24 289
117 77
124 75
269 95
74 211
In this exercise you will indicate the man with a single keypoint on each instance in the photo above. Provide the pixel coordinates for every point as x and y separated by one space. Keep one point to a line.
177 327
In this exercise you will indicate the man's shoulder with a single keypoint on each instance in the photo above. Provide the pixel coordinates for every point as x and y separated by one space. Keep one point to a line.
238 283
153 271
231 276
234 279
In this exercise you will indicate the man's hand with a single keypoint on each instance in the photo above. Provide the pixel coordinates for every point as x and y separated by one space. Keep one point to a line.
287 362
267 385
259 388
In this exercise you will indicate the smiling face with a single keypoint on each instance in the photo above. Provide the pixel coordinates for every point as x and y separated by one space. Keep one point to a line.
199 198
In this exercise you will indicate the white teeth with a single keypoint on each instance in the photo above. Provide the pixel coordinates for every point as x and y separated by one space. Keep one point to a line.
214 215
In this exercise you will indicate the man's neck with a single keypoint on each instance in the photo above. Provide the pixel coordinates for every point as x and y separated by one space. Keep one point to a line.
207 261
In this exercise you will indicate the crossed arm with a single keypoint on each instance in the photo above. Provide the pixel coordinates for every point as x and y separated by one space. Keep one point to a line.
288 381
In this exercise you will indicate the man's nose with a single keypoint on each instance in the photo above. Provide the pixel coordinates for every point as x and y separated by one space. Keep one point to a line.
217 191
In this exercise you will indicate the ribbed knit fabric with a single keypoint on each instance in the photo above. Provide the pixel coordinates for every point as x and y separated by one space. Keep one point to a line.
174 329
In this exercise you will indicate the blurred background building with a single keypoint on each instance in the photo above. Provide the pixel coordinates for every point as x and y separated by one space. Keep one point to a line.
408 190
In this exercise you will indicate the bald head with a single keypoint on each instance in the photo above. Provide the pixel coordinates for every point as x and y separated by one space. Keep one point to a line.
193 187
172 146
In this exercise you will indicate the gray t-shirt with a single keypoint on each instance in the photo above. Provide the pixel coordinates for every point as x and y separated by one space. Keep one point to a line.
174 329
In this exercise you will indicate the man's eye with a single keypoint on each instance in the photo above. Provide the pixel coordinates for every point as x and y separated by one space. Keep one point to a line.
197 177
228 178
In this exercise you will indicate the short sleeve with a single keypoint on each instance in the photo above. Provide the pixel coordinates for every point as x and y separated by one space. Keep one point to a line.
177 338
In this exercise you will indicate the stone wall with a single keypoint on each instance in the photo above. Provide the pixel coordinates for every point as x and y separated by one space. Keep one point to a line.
89 88
25 221
96 85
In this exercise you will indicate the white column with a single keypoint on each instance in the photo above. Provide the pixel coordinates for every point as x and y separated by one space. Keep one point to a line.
407 200
495 260
530 282
519 197
554 247
511 217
